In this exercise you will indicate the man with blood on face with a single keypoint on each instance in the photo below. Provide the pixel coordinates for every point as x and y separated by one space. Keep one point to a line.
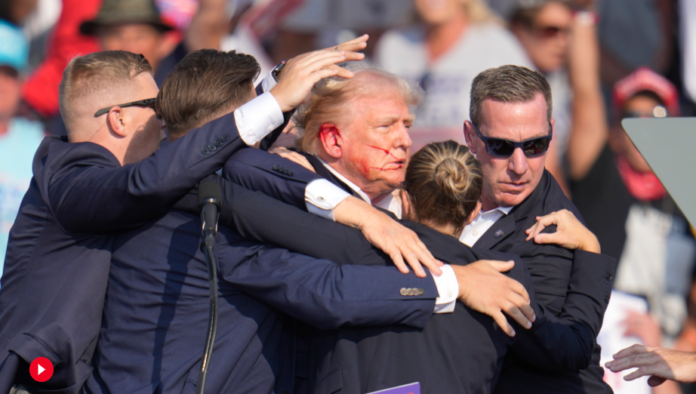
370 146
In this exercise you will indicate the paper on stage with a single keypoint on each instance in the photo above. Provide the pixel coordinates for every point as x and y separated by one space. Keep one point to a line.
411 388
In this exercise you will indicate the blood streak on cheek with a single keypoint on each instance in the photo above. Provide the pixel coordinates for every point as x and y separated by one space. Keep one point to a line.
386 151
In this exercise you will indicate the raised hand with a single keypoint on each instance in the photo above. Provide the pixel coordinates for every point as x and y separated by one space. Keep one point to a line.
299 75
658 363
570 233
483 288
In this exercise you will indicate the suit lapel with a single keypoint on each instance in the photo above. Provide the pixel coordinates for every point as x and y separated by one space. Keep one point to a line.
499 231
506 225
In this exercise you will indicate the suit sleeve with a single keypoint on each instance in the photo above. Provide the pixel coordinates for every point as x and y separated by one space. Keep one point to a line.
565 342
271 174
258 217
91 192
325 294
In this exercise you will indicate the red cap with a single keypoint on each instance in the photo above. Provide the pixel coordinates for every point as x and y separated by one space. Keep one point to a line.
646 79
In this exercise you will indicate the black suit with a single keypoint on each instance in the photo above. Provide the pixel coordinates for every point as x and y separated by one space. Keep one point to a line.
556 272
582 309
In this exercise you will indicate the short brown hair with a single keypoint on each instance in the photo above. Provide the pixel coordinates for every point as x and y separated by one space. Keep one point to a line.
329 97
508 84
99 71
444 182
203 86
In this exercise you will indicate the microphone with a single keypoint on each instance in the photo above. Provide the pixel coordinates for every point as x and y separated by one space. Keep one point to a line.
210 203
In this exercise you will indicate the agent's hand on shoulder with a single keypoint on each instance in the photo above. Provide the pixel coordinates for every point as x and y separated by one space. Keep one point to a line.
570 233
483 288
293 156
299 75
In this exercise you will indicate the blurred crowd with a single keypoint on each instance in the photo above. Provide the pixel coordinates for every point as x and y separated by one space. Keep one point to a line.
605 60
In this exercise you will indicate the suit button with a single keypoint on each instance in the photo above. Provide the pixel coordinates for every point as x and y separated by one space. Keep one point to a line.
290 173
225 138
275 168
420 292
205 151
218 143
211 147
403 291
610 277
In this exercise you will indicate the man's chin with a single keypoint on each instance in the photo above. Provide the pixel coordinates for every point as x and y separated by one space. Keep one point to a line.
510 199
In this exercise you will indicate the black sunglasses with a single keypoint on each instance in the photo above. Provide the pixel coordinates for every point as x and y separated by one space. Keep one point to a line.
500 147
140 103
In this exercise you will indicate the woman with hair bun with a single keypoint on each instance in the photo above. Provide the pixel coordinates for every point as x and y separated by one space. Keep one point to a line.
461 352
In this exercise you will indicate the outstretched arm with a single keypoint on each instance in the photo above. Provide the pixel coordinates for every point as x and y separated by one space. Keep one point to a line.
658 363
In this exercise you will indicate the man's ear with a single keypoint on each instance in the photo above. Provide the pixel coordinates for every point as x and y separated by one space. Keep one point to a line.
331 140
469 136
116 122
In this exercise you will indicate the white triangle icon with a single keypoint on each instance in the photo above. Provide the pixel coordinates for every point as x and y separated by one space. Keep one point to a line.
41 369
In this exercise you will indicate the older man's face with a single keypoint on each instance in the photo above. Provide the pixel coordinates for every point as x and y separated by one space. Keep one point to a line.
376 141
507 181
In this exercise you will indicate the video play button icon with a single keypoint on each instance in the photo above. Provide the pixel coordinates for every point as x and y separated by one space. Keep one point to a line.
41 369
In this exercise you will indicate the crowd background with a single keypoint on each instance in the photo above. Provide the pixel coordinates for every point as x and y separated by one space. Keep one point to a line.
605 60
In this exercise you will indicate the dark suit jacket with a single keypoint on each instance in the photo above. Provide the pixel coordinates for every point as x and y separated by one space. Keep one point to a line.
582 309
157 305
57 264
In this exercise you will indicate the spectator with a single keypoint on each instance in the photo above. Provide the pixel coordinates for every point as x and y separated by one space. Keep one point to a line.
19 137
625 205
454 41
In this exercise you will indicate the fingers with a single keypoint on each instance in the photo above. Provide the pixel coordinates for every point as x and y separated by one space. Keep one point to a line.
355 44
501 266
413 261
519 289
398 261
502 322
629 351
516 314
635 374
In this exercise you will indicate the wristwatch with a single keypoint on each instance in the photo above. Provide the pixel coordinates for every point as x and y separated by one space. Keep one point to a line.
277 69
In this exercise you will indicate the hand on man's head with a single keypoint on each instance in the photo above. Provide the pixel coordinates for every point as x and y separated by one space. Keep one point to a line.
301 73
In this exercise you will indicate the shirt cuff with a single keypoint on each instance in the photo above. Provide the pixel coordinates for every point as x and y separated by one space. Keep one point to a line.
257 118
268 83
448 289
322 196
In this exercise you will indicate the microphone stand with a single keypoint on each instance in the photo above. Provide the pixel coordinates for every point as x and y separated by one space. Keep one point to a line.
210 206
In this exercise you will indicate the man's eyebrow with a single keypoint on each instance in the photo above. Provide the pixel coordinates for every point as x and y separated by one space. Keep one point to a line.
410 118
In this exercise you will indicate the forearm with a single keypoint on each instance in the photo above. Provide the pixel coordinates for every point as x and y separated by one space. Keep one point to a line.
327 295
589 130
208 26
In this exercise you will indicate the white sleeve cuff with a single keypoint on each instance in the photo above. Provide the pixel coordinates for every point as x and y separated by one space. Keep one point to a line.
268 83
257 118
447 288
322 196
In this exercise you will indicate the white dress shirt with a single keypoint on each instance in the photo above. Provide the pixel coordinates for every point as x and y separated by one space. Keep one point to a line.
323 196
258 117
484 220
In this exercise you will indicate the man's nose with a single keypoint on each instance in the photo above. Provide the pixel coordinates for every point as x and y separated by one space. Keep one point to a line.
518 162
403 139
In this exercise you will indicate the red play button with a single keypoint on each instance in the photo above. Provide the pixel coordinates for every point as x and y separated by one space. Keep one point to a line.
41 369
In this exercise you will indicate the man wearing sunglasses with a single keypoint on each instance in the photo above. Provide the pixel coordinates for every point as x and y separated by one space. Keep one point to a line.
510 131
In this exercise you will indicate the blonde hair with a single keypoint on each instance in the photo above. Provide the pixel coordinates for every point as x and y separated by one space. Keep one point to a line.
444 183
330 97
100 71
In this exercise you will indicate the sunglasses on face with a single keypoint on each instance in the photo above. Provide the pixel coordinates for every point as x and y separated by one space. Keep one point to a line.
551 31
657 112
140 103
500 147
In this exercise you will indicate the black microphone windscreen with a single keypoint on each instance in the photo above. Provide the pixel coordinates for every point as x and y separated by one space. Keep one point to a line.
210 190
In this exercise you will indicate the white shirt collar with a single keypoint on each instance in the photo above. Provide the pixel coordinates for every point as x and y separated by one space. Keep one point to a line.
347 182
389 203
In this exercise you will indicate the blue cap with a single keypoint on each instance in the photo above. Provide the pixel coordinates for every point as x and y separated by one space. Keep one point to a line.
14 49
